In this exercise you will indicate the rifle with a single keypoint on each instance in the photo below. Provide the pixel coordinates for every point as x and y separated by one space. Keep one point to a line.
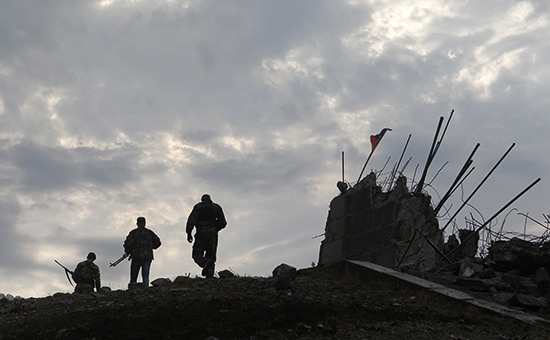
119 260
67 271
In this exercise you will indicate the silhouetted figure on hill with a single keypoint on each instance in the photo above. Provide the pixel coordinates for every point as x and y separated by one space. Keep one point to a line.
208 218
87 276
140 244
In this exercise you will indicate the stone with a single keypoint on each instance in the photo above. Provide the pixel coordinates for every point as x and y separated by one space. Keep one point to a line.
225 274
161 282
527 287
503 298
528 302
104 289
517 254
284 270
542 279
470 269
468 242
501 286
511 278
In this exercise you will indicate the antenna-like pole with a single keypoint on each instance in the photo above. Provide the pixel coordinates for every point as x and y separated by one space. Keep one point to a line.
342 166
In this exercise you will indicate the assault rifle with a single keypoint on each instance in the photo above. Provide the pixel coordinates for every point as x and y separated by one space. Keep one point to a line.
67 272
119 260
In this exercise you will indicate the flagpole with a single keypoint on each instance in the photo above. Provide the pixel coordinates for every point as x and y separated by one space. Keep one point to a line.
364 166
374 143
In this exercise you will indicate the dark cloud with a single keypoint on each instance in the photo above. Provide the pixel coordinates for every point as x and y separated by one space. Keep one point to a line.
46 169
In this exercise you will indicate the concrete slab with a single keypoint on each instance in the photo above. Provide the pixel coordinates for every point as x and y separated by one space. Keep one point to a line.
371 270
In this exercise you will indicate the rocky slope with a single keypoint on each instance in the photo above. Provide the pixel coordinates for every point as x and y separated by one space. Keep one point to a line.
316 305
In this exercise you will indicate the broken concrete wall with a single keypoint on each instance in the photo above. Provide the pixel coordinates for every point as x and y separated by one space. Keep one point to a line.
365 223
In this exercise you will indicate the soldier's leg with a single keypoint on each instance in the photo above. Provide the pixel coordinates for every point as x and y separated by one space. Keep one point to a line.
209 269
210 251
199 249
134 270
145 269
198 256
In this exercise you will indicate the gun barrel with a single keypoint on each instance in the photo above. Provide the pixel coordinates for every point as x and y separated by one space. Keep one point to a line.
62 266
67 272
119 260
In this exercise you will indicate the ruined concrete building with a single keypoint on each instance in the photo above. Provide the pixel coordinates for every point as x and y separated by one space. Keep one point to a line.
365 223
399 229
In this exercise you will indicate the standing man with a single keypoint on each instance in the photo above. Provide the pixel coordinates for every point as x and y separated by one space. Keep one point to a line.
140 243
209 219
86 275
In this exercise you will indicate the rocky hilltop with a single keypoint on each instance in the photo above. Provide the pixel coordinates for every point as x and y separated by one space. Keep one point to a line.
313 304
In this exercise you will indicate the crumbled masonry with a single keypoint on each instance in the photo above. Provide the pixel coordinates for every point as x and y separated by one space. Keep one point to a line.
365 223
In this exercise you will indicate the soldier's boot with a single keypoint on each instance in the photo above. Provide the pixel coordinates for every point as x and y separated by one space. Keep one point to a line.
208 270
205 267
133 285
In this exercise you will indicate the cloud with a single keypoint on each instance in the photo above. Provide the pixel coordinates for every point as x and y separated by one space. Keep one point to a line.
111 110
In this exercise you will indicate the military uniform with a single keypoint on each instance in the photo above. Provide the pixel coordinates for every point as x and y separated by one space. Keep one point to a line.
208 219
140 244
86 275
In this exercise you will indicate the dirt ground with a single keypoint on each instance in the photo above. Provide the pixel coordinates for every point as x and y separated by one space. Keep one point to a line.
317 305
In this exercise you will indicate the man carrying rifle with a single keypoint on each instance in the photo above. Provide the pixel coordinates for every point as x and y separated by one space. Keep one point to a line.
86 275
140 244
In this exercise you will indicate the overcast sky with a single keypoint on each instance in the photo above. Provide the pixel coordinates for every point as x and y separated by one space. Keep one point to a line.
110 110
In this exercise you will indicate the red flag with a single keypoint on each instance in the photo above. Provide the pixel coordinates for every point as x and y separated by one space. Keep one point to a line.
375 139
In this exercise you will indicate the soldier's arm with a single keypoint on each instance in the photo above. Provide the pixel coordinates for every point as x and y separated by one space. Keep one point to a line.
191 221
97 279
128 244
76 273
221 218
156 240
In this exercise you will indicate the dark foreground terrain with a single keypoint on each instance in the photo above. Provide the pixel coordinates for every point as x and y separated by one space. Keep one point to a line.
316 306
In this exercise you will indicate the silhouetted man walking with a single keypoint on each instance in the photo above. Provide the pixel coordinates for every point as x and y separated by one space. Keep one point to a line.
208 218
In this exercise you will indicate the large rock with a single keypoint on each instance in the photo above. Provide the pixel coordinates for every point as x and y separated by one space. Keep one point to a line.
519 254
284 270
160 282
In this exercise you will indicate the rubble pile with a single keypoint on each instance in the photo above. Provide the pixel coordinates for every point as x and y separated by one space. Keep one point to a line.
514 274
